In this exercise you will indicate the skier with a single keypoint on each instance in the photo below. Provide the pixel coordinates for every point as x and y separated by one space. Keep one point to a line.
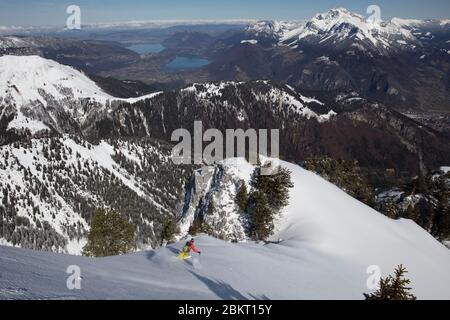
184 254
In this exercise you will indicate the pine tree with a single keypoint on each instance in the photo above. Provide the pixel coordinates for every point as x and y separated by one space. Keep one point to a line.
211 207
428 219
421 184
242 197
269 194
393 287
411 213
389 209
261 217
169 229
196 227
275 186
110 234
441 223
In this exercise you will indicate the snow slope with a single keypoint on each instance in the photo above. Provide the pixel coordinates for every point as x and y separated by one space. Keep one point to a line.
30 73
29 82
328 241
23 76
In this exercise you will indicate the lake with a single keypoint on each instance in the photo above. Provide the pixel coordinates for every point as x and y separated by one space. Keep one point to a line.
185 63
144 48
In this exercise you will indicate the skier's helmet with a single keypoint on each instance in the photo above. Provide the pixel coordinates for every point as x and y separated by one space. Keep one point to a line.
192 239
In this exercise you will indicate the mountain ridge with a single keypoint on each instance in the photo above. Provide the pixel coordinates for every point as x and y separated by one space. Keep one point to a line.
338 25
59 166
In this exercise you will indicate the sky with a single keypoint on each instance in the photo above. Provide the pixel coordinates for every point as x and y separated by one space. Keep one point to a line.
53 12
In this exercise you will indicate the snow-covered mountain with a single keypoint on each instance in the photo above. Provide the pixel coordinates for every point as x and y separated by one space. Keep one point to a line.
55 121
91 56
342 29
397 62
325 241
49 188
29 74
285 98
8 42
39 94
269 29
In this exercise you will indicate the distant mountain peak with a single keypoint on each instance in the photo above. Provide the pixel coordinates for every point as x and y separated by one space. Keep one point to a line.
341 28
338 13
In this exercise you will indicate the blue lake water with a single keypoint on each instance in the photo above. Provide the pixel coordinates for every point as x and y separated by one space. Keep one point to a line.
144 48
185 63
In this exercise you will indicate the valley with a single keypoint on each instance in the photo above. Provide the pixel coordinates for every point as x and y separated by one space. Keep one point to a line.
394 63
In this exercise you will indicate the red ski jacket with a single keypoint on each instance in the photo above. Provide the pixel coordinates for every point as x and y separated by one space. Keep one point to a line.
190 246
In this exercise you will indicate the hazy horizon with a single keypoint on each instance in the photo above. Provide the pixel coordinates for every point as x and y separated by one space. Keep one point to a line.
52 13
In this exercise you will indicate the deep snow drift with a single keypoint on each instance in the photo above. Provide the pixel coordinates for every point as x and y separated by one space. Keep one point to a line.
328 241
